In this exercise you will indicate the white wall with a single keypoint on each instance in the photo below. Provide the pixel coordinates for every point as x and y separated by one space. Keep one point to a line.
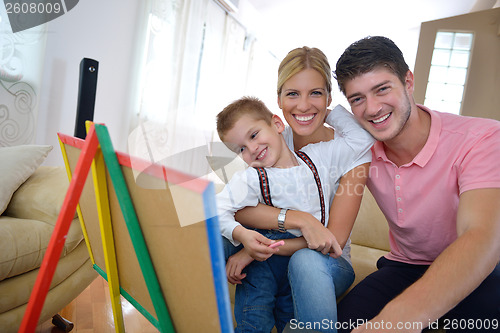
108 30
333 25
101 30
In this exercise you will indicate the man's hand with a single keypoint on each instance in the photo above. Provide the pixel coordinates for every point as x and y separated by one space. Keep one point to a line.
256 245
235 264
317 236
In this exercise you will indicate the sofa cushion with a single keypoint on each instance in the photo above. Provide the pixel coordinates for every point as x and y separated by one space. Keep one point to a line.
15 291
371 228
23 244
41 196
18 163
364 261
28 222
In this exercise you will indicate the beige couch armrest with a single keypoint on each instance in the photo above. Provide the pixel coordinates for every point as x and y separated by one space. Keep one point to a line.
41 196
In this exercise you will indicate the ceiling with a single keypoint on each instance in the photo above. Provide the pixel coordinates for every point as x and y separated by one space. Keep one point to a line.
332 25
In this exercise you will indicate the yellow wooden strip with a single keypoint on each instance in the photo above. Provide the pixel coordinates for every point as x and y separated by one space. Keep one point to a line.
78 210
102 201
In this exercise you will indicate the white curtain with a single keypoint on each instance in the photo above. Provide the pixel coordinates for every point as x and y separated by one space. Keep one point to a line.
197 60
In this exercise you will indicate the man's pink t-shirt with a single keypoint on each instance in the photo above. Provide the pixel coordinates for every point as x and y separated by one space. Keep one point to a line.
420 199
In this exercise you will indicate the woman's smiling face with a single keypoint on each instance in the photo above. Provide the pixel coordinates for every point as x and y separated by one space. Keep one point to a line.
304 100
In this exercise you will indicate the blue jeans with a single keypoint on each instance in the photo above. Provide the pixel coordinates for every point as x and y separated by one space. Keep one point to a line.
316 281
263 299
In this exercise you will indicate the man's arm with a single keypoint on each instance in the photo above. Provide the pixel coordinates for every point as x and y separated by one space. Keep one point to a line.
458 270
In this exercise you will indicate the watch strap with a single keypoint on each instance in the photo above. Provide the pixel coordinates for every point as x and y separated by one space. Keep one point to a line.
281 220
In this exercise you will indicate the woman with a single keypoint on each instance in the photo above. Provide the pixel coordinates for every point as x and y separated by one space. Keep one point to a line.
316 278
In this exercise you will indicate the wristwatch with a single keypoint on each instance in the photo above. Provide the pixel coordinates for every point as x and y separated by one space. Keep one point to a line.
281 220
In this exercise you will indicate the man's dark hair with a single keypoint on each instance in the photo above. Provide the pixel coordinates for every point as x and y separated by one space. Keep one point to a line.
368 54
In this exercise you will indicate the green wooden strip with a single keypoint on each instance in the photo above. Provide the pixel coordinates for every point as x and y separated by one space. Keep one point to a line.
134 229
130 299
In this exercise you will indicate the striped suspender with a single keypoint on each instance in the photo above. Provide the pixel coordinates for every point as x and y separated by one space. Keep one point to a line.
264 186
266 191
311 166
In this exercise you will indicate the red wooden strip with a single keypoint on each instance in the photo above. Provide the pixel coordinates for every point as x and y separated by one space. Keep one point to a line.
71 140
195 184
56 244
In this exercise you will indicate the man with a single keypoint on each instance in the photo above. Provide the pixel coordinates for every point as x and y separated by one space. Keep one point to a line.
436 178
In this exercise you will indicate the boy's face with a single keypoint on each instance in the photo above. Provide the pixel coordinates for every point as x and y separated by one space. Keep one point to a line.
259 144
380 102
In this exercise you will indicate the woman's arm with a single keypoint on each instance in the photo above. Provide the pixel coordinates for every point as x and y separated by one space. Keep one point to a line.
261 217
317 237
347 199
347 126
346 203
291 246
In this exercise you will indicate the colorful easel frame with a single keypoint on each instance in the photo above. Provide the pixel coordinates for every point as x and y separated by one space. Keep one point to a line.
172 272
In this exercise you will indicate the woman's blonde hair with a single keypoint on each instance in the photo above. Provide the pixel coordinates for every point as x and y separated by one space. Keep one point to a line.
302 58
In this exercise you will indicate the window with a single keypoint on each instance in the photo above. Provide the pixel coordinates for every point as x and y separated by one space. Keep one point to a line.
197 59
448 72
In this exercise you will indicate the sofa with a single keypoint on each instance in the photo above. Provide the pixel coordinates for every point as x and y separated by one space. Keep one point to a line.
26 225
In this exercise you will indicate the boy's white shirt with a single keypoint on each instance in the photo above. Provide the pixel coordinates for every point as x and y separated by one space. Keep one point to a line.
295 188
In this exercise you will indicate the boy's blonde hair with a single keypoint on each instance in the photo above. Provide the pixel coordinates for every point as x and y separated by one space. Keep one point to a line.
251 106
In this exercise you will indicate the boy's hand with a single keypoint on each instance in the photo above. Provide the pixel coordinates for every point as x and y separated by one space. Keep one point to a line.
235 264
256 245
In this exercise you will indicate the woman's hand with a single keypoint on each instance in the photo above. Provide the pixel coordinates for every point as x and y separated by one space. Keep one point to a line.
317 236
235 264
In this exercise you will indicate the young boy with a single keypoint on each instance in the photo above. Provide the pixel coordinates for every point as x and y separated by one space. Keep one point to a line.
300 180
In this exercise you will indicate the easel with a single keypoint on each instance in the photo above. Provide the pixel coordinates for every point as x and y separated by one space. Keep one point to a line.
157 242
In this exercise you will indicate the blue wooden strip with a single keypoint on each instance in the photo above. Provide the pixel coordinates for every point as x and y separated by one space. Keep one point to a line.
217 259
